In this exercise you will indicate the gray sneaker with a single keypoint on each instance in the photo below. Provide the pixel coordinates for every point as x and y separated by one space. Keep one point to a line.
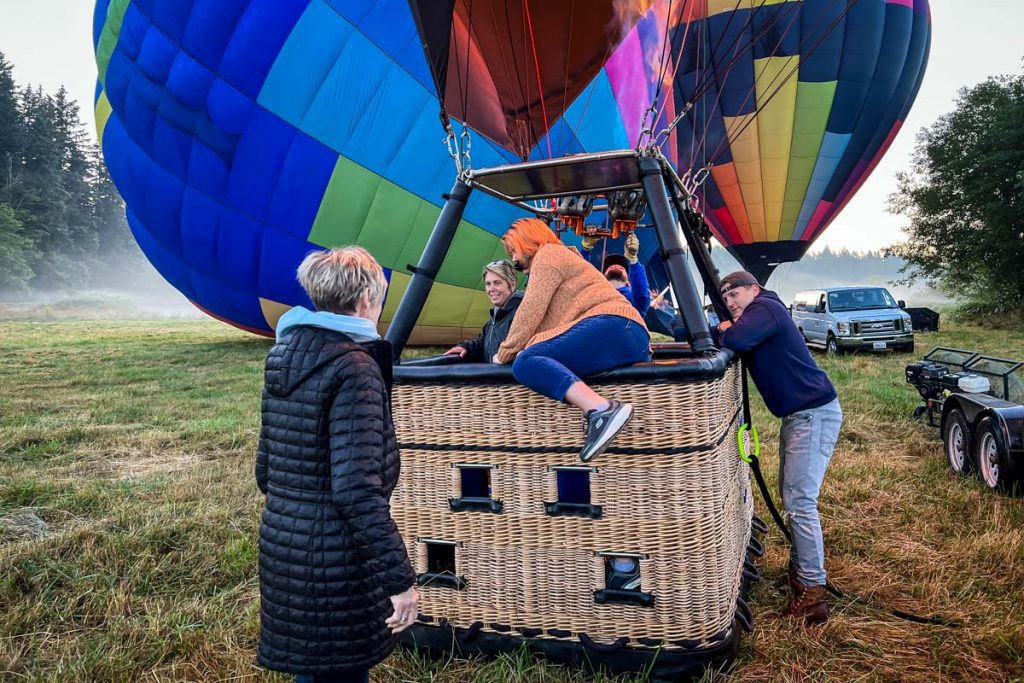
602 426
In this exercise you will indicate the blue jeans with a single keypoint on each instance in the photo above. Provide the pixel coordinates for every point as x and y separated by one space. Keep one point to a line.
349 677
590 346
806 441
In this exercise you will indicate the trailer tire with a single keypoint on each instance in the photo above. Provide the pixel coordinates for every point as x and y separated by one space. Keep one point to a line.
956 442
995 471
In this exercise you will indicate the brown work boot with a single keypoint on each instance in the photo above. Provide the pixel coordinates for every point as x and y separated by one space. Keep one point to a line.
808 603
794 580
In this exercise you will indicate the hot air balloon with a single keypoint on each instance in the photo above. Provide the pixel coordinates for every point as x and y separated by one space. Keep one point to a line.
783 108
244 134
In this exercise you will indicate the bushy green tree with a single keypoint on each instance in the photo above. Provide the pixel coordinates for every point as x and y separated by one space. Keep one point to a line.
965 199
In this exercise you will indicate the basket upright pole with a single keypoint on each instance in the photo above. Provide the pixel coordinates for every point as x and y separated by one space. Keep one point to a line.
425 271
705 265
674 254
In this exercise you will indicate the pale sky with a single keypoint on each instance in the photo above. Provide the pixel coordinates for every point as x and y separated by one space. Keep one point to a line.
50 44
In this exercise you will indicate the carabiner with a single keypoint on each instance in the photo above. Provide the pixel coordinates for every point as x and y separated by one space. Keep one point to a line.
749 459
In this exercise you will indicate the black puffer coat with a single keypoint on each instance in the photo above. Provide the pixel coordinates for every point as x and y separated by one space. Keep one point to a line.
330 554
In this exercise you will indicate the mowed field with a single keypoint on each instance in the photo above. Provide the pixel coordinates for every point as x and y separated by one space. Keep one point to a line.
129 513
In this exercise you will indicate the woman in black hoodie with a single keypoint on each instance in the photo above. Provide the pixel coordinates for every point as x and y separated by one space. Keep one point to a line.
500 286
336 584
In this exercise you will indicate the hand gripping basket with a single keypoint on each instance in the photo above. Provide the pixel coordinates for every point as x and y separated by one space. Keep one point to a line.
503 560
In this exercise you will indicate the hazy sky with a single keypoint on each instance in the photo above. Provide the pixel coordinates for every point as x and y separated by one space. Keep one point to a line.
50 44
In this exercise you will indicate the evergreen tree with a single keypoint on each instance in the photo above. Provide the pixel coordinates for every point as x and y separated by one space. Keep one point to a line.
62 222
15 249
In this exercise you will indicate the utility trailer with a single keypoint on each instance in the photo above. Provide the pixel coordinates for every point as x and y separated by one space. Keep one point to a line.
977 402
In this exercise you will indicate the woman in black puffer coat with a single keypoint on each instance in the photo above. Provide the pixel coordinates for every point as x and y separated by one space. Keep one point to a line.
335 579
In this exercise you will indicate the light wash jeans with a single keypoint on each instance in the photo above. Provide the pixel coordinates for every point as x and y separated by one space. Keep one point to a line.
806 441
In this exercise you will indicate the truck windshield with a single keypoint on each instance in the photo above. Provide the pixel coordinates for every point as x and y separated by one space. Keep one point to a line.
860 299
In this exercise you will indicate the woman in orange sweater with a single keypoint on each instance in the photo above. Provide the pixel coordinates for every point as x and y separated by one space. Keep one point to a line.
571 322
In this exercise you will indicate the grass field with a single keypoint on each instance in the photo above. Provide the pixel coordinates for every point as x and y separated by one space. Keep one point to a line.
128 518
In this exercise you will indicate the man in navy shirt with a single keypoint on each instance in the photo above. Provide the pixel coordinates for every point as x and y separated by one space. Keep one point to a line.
797 390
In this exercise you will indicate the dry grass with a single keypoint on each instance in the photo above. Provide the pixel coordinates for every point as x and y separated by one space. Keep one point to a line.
132 444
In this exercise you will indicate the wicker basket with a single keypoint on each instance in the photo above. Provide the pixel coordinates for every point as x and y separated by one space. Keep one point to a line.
671 491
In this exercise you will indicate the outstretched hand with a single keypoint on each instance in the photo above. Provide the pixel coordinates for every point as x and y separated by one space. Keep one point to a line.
631 250
461 351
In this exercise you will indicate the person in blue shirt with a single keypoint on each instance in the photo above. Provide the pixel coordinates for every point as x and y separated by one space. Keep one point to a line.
632 284
797 390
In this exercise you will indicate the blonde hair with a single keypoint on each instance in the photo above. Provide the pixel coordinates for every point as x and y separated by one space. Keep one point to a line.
337 279
502 269
527 236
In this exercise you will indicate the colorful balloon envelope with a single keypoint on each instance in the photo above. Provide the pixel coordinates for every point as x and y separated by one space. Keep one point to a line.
244 134
789 106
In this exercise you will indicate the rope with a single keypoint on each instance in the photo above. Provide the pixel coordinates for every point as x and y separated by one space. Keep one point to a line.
540 83
755 466
679 60
737 54
729 139
565 79
647 127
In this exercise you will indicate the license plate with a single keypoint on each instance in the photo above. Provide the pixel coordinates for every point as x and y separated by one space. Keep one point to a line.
879 345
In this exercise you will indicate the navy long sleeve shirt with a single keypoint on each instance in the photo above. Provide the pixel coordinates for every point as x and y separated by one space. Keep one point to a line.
780 364
639 292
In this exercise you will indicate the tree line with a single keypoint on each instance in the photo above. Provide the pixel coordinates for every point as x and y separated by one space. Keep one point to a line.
964 197
62 223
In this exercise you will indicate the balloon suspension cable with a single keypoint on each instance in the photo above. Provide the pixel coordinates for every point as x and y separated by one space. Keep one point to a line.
466 143
690 182
459 146
647 127
667 130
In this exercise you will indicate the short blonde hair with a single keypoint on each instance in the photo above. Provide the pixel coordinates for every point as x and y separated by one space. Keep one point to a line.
337 279
502 269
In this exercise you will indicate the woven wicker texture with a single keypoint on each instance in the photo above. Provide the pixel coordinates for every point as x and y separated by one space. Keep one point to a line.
672 489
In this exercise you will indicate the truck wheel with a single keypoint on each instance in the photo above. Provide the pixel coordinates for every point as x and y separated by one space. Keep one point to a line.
993 458
956 441
832 347
907 348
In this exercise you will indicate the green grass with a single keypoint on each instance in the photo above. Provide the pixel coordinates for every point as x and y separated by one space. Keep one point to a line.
133 443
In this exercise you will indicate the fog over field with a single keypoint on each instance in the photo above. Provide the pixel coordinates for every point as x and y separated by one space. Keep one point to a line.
140 292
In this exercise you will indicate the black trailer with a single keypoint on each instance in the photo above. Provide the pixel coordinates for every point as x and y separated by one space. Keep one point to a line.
982 428
923 319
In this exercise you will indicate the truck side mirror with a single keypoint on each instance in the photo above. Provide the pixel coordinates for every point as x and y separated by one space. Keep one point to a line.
902 303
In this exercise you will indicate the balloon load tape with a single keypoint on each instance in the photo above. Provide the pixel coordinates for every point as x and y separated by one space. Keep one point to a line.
624 210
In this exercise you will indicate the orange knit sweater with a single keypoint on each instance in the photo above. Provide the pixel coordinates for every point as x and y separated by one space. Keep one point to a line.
563 290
